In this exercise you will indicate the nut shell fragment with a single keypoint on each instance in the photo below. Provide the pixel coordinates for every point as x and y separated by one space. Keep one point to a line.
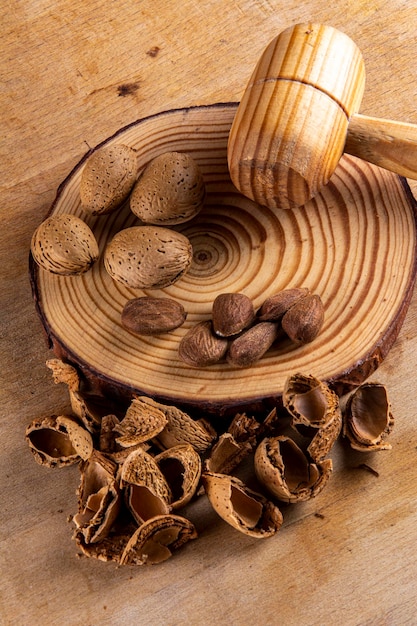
181 466
324 438
315 412
58 440
99 498
227 454
140 468
282 467
147 493
64 373
368 419
244 428
143 421
181 428
111 547
90 408
155 540
310 402
107 442
245 510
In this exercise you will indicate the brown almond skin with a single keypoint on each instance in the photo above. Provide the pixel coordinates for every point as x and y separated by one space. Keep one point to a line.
275 306
152 316
232 313
201 347
252 344
303 321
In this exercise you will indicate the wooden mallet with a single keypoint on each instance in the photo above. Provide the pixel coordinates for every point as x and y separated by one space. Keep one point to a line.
299 113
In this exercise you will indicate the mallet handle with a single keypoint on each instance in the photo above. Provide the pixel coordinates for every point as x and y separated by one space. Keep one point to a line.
391 145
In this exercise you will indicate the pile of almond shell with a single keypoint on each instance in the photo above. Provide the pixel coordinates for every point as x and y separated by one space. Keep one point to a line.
141 471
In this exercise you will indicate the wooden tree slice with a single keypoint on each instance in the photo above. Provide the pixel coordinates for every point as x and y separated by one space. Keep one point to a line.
354 245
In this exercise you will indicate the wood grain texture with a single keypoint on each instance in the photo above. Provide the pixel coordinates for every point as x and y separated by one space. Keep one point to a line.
291 124
73 73
339 246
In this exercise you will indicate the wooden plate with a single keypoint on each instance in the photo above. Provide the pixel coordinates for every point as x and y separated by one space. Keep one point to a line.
354 245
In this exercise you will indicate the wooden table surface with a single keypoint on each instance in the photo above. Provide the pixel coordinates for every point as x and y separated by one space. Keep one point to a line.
72 73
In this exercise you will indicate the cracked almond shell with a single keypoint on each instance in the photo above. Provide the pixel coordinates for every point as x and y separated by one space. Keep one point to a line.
245 510
368 419
143 421
315 412
324 438
227 454
99 498
181 428
283 468
156 539
58 440
147 492
181 466
111 547
310 402
64 373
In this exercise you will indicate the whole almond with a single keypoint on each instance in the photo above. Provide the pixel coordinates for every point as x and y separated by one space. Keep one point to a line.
152 316
148 257
275 306
64 244
107 178
170 191
252 344
201 347
232 313
303 321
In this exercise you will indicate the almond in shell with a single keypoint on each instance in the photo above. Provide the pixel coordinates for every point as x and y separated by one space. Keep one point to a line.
107 178
170 190
64 245
148 257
